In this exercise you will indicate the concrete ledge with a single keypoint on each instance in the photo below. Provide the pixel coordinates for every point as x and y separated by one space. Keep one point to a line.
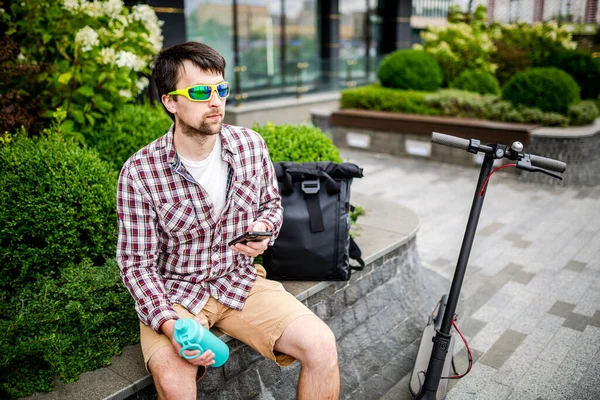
408 135
416 124
576 145
362 312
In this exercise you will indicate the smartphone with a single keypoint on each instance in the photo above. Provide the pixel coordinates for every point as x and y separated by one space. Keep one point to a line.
251 237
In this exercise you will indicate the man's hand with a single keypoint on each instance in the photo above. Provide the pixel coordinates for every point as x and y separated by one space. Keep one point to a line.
253 249
206 359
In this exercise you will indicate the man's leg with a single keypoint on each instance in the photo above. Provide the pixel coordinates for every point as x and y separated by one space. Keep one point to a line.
174 377
310 340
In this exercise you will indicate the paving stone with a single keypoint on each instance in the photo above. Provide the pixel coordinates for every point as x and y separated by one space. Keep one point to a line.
471 326
575 265
560 345
495 391
486 313
562 309
490 229
522 244
589 303
502 349
473 383
532 384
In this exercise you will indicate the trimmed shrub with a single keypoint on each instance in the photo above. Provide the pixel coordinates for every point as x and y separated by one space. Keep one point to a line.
57 205
410 69
378 98
549 89
458 103
128 130
526 115
297 143
583 113
581 66
447 102
476 81
63 325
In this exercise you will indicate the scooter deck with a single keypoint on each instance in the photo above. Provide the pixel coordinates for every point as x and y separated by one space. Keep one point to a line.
422 362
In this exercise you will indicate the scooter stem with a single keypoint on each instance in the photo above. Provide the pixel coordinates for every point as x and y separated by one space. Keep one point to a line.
441 341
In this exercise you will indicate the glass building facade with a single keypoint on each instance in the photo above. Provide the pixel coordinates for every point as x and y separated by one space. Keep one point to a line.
276 48
290 47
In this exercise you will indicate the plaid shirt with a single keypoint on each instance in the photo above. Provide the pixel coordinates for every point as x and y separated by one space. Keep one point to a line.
171 248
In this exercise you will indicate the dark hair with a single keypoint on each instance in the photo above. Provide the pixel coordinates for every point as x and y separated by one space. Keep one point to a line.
168 62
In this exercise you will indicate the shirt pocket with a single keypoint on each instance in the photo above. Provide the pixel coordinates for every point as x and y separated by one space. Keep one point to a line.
178 218
245 202
245 195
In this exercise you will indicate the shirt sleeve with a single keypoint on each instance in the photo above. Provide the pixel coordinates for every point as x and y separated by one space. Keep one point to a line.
270 210
137 250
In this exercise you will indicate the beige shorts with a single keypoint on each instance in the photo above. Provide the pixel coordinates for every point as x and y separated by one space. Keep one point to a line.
268 310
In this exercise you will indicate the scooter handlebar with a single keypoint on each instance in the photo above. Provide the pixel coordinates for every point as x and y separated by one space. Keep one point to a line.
548 163
464 144
452 141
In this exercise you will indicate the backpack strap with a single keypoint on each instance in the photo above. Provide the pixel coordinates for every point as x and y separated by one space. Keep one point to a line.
313 205
355 254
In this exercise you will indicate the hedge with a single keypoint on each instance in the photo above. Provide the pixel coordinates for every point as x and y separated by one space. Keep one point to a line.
447 102
549 89
410 69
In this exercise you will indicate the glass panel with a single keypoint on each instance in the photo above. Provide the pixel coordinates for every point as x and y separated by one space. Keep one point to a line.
210 22
301 30
259 32
353 14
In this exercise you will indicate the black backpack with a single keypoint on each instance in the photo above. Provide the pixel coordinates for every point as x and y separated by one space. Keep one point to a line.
314 242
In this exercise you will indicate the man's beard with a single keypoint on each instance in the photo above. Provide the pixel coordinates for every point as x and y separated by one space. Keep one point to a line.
203 131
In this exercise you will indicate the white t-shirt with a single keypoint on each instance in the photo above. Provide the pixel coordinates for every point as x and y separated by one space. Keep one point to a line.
211 174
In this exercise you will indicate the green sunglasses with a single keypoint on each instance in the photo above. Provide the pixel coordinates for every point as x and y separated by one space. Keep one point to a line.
203 92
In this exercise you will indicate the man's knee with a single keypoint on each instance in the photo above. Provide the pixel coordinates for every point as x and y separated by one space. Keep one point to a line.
321 347
174 378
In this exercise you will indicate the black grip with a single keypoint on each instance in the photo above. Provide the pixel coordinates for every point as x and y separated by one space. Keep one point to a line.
548 163
451 141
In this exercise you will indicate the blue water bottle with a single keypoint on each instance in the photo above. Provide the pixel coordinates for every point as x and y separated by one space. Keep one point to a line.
191 335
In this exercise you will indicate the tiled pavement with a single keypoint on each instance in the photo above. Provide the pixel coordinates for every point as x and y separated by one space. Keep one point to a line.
530 304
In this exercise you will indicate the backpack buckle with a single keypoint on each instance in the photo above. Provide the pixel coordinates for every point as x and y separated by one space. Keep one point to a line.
311 187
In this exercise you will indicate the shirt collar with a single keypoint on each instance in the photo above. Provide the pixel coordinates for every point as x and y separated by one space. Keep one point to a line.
227 148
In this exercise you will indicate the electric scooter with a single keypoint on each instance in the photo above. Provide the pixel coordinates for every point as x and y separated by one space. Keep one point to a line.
431 372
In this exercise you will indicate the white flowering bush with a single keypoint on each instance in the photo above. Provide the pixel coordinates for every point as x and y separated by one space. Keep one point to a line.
93 55
521 46
460 46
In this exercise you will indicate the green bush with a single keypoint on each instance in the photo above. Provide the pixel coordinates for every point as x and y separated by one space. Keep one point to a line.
57 205
128 130
378 98
458 103
447 102
410 69
527 115
583 113
521 46
476 81
63 325
297 143
459 45
581 66
549 89
92 54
